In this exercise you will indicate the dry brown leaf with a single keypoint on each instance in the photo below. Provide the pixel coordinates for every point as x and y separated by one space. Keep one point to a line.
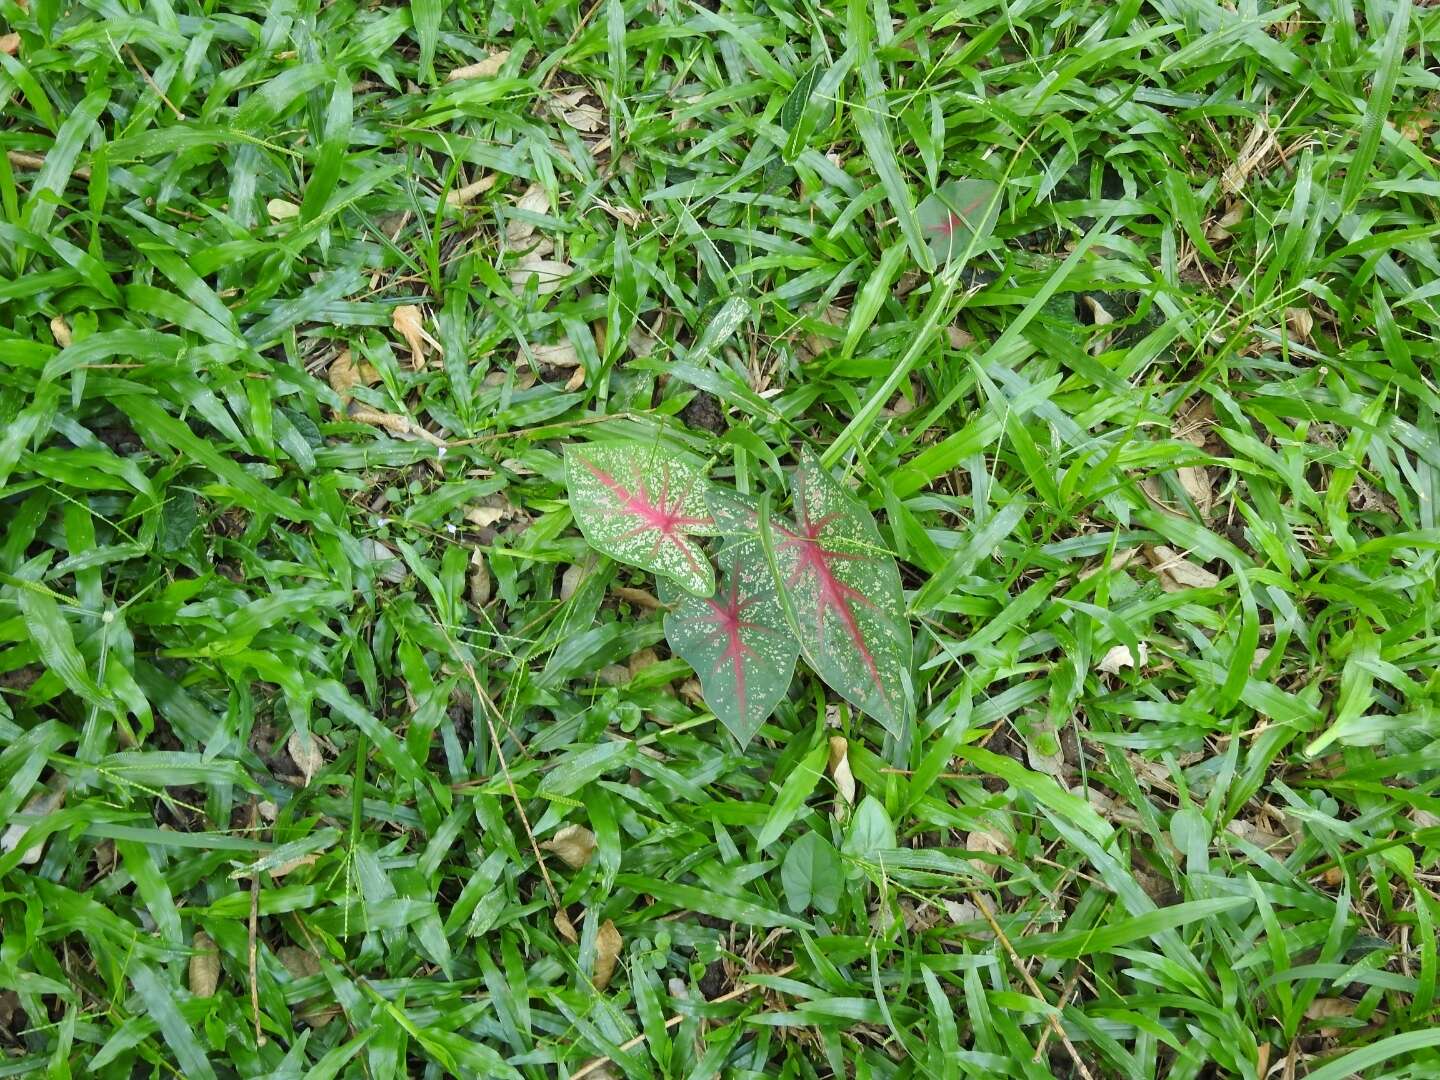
575 844
401 426
480 584
641 660
204 965
301 964
1108 808
902 405
10 44
570 580
523 379
464 196
481 69
815 344
1234 214
317 1016
1328 1008
387 563
1195 479
1194 421
1301 322
298 963
409 324
631 218
1177 572
614 675
692 692
291 865
60 331
839 769
642 342
306 753
918 917
1415 128
1120 656
961 911
1192 425
1150 486
987 841
562 354
1261 837
548 274
43 804
638 597
579 114
1258 145
958 337
344 374
482 517
566 927
282 210
576 380
1157 886
1098 313
607 951
909 280
1424 819
534 201
1118 561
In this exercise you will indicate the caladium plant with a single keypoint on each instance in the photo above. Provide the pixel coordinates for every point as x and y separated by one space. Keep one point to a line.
822 585
958 217
642 506
843 596
737 641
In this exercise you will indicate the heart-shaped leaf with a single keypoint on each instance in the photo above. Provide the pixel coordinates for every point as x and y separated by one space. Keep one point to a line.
737 641
812 875
641 505
958 217
842 588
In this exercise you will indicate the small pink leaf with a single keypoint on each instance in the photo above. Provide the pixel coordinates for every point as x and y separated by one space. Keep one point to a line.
641 505
843 588
737 641
958 217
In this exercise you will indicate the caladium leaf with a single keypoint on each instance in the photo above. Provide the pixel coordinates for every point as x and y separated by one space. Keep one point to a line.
842 589
958 217
641 505
736 516
738 641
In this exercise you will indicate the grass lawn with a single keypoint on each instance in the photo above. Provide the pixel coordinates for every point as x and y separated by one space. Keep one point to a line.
329 745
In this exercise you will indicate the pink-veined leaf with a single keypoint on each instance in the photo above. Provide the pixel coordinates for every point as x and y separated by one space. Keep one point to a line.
735 516
641 504
738 641
958 217
842 588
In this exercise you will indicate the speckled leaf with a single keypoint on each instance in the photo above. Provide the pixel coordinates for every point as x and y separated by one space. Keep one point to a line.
958 217
641 505
843 590
736 517
737 641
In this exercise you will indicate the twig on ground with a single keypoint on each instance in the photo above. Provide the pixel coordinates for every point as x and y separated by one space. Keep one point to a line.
984 905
